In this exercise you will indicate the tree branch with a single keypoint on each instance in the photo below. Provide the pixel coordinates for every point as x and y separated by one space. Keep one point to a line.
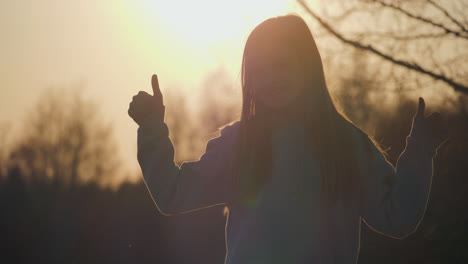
422 19
446 13
401 37
409 65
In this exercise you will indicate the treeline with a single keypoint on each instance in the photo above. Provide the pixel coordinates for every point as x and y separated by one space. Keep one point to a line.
50 223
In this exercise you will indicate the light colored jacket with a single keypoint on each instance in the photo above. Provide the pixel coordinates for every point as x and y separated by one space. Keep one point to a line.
282 228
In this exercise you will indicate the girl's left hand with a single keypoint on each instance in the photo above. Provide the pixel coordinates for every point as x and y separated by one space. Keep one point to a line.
431 130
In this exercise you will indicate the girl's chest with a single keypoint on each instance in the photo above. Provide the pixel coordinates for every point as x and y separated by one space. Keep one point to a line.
295 170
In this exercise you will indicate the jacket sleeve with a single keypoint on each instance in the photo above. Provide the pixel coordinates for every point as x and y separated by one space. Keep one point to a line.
195 184
394 199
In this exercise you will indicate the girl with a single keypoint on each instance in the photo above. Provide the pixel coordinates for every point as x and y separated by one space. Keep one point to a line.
295 174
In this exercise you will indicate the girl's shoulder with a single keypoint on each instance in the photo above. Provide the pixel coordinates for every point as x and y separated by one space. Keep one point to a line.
366 145
362 141
354 130
230 130
230 127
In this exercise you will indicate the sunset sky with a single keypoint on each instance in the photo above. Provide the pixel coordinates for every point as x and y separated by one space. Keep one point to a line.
111 49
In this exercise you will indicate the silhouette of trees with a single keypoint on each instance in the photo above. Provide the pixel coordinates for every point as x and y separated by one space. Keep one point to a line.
218 103
4 147
220 100
180 122
65 140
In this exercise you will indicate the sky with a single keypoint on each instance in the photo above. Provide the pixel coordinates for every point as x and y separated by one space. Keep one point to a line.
111 48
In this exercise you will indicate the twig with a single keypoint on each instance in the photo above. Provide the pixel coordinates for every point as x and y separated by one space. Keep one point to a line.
410 65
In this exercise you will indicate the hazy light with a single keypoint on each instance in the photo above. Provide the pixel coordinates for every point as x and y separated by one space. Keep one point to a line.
209 21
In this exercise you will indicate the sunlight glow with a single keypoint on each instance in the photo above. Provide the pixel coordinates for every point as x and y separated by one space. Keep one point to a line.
209 21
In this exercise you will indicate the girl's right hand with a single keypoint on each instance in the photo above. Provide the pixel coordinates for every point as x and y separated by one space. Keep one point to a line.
144 104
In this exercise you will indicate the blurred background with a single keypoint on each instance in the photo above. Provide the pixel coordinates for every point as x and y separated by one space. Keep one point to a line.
71 189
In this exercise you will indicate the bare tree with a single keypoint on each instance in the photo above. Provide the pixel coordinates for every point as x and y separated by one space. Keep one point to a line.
65 140
218 104
427 37
219 100
180 122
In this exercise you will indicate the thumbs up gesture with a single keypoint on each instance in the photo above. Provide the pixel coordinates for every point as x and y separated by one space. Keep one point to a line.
431 131
144 104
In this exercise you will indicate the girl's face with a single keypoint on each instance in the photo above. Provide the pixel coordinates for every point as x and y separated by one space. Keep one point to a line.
277 77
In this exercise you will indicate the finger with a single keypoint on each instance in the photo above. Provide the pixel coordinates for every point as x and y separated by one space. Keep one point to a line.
155 84
421 107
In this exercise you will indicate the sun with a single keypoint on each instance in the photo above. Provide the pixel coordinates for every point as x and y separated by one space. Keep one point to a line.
211 21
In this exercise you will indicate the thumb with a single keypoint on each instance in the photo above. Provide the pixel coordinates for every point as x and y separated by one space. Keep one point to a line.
421 107
155 85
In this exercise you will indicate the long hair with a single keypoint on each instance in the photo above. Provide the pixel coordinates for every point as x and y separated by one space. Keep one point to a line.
328 128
